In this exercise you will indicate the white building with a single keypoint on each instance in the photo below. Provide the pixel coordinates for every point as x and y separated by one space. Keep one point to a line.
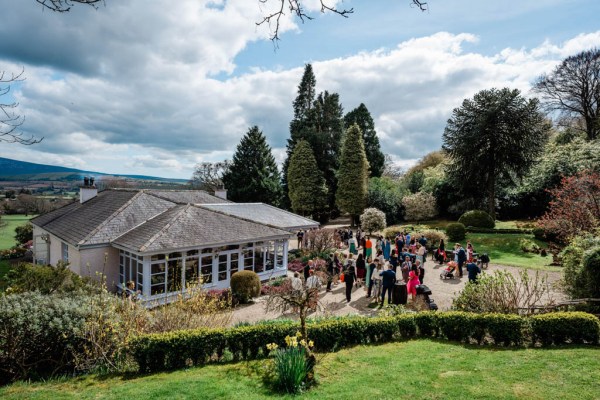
162 240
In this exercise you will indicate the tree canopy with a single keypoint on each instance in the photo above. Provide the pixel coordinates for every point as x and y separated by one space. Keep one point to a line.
573 88
253 175
491 139
351 194
306 185
362 117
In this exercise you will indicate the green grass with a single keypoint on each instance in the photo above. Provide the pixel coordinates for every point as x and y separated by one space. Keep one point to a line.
8 223
419 369
505 249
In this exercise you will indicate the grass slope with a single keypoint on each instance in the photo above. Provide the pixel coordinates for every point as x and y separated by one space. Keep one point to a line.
419 369
8 223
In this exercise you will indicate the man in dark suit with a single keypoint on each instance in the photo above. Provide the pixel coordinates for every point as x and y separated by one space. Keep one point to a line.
388 278
461 256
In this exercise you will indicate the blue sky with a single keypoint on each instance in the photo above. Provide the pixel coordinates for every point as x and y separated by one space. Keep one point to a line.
155 87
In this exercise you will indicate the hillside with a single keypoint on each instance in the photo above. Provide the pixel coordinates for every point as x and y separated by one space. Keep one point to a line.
14 170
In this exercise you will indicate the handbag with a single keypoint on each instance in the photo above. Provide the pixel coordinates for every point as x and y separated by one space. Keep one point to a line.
342 277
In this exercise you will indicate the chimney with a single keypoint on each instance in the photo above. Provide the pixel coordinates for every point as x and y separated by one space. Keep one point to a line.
88 190
222 193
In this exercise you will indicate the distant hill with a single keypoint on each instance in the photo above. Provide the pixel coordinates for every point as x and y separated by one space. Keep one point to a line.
13 170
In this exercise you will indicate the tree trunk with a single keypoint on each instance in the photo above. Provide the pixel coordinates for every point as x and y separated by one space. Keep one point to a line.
491 198
303 322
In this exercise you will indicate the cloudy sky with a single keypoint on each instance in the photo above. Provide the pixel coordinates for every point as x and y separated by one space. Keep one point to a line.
154 87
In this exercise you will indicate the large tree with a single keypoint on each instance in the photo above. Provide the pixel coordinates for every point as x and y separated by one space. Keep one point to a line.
573 88
351 194
493 139
307 191
209 176
362 117
253 175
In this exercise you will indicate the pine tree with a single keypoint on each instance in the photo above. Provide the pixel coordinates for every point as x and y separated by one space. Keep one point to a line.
362 117
253 175
306 185
351 195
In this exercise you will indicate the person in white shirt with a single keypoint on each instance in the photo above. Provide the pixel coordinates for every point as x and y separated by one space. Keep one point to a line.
421 253
376 281
313 281
296 284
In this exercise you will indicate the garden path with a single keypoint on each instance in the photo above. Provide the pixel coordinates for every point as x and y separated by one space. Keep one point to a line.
334 303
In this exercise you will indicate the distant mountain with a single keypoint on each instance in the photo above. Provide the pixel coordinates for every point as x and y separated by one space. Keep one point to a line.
13 170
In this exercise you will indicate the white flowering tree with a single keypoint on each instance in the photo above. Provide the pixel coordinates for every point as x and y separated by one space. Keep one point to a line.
372 220
420 206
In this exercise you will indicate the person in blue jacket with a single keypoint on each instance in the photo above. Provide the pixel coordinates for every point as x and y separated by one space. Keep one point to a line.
388 279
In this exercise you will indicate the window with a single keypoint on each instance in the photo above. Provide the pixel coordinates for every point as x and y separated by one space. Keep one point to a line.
131 268
158 271
65 252
174 274
191 271
206 269
234 263
248 255
222 269
259 261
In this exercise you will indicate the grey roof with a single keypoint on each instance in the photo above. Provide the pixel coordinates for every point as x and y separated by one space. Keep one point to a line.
264 214
76 221
188 226
187 196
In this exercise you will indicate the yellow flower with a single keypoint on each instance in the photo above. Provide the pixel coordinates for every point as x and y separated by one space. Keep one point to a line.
298 335
303 342
272 346
311 344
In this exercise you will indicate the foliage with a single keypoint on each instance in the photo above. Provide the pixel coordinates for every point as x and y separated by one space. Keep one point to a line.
24 233
579 278
294 365
253 175
156 352
574 89
351 194
321 240
306 186
420 206
245 285
478 219
12 253
46 279
575 207
502 292
372 220
362 117
456 232
386 195
209 176
433 177
559 328
493 139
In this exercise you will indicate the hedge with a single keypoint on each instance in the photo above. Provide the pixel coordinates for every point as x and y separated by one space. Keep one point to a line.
477 218
518 231
156 352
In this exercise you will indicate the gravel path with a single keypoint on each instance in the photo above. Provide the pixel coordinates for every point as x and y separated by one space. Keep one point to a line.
334 303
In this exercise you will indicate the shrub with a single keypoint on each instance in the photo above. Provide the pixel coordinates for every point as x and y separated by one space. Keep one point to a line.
456 325
420 206
456 231
591 268
245 285
372 220
478 219
12 253
529 246
321 240
505 329
576 277
563 327
433 237
24 233
46 279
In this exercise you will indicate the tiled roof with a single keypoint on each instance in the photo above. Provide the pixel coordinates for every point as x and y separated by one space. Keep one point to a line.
187 196
187 226
76 221
264 214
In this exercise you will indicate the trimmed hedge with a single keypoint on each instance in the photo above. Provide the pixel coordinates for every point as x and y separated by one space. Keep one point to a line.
456 232
477 218
245 285
157 352
517 231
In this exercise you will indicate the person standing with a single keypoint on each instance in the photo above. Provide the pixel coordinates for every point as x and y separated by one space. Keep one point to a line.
371 263
461 257
388 279
441 252
361 271
353 245
373 277
421 253
420 270
300 235
368 248
313 281
349 277
423 241
405 268
394 259
473 270
411 285
307 269
330 271
386 247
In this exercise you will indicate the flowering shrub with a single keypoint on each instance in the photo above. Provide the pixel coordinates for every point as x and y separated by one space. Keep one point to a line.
420 206
12 253
372 220
293 365
296 265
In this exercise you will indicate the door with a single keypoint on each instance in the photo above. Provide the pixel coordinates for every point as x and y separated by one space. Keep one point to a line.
227 263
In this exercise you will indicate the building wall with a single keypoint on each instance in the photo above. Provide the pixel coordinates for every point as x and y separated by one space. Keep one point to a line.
101 260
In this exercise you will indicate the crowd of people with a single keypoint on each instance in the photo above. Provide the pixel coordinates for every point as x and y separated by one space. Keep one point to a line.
377 264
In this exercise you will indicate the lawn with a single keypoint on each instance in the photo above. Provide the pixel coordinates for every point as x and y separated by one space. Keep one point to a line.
8 223
420 369
505 249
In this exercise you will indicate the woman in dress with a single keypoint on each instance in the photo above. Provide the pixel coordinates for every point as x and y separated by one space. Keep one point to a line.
441 252
411 285
361 271
349 278
386 247
470 251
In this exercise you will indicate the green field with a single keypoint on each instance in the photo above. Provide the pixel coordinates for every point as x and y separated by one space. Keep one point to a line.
8 223
420 369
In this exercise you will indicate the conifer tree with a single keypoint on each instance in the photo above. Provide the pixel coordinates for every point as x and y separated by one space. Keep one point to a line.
351 194
306 186
362 117
253 175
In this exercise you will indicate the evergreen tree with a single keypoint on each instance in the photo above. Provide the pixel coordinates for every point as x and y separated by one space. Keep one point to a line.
253 175
351 194
307 191
362 117
493 139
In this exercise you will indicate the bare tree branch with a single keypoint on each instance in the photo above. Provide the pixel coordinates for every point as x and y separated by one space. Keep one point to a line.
65 5
420 4
9 120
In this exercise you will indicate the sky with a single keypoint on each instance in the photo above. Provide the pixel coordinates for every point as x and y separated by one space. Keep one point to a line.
155 87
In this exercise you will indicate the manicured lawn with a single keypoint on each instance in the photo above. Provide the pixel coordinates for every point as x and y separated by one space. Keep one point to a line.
420 369
8 223
505 249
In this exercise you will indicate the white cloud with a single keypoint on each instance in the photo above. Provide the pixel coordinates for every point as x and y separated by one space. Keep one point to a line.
144 99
